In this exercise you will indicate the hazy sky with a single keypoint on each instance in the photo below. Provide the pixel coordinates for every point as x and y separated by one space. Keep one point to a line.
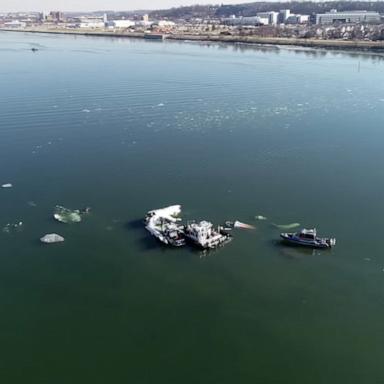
92 5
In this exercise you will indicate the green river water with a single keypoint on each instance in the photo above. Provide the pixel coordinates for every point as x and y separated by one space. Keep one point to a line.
228 132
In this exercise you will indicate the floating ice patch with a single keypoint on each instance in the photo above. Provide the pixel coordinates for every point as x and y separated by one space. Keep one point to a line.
7 185
65 215
8 228
160 105
52 238
286 226
86 110
260 217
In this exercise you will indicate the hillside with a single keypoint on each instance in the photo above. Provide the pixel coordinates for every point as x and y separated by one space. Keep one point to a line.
250 9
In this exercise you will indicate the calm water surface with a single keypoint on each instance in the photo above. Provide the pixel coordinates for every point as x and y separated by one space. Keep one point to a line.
125 126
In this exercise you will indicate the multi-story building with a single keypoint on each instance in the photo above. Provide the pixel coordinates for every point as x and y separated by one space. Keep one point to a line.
56 16
272 17
283 15
297 19
251 20
347 17
120 24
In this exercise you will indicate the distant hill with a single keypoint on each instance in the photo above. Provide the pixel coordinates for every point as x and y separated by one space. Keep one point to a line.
250 9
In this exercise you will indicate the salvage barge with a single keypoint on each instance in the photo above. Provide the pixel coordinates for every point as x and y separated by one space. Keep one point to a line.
205 236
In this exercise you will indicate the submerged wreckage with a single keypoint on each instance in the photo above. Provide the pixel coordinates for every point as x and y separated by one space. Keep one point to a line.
165 225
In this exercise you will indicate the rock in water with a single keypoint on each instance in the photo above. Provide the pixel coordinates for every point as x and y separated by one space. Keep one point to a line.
51 238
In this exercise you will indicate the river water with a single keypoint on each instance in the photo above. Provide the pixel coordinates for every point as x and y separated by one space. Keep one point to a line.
229 132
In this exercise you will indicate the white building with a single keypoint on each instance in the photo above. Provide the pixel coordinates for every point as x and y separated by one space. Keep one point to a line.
166 23
297 19
252 20
284 14
121 23
347 17
91 22
15 24
272 17
302 19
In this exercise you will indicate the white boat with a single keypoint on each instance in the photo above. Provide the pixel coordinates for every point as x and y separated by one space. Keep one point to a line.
205 235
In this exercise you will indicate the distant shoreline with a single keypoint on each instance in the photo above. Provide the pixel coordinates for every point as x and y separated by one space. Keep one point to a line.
361 45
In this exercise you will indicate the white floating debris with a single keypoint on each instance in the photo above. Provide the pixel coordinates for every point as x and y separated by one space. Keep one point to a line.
10 227
160 105
65 215
286 226
239 224
260 217
7 185
86 110
51 238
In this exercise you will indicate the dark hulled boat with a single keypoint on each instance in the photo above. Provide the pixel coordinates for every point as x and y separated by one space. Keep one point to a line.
308 238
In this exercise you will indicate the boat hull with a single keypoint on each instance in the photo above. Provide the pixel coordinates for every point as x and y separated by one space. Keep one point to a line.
179 242
304 243
226 238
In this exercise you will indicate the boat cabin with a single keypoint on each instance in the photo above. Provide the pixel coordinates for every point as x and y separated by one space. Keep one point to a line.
307 234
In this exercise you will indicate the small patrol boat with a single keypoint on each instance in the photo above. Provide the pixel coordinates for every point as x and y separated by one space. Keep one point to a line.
308 238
